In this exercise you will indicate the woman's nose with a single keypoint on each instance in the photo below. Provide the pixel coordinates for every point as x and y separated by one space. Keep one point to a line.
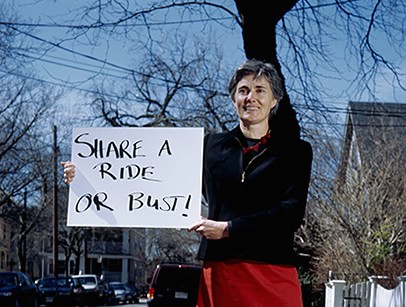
250 96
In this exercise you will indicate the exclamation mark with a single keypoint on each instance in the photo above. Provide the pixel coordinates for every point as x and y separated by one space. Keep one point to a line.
187 205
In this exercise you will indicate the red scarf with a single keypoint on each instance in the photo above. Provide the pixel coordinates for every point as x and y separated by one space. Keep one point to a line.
256 147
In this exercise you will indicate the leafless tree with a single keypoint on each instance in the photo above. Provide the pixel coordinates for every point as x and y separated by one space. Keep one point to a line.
24 103
24 157
303 39
358 219
180 89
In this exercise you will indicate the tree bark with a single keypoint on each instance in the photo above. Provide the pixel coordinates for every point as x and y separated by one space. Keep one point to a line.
259 24
259 34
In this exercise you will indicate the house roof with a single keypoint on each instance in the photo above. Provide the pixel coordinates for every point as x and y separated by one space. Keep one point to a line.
376 130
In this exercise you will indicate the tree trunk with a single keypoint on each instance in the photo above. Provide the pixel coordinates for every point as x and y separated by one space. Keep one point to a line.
259 28
21 254
259 35
259 25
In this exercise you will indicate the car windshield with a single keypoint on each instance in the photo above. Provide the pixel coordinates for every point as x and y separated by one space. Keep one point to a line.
87 280
118 286
8 280
53 282
47 283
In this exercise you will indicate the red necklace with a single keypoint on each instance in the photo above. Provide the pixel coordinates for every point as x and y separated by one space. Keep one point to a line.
255 147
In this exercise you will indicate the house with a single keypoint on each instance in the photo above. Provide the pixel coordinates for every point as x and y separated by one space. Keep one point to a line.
374 136
369 216
5 245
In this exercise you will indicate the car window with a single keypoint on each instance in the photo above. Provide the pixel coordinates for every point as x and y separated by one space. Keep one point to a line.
117 286
175 277
22 279
63 282
76 282
47 283
87 280
8 280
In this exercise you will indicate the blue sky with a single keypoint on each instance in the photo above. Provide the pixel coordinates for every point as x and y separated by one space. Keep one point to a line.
60 66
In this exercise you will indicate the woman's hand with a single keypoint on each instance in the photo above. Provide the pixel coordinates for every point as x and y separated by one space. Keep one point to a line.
210 229
69 171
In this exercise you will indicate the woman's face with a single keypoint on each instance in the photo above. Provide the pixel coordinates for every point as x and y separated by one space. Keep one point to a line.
253 100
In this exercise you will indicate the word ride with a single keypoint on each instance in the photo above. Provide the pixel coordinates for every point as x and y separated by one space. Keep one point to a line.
129 172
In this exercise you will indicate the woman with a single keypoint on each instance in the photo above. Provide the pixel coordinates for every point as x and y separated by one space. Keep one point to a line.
256 180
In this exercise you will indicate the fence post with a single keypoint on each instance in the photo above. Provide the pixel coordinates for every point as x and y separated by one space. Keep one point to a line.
374 288
402 280
334 293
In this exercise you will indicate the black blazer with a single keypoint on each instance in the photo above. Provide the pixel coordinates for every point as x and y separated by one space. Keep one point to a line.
263 203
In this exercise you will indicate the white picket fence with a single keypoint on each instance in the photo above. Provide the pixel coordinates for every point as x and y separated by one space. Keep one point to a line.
364 294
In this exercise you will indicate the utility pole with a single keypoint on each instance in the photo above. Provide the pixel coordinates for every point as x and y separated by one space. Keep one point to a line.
55 205
24 236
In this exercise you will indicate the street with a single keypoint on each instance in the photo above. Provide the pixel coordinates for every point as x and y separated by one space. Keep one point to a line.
142 303
131 305
126 305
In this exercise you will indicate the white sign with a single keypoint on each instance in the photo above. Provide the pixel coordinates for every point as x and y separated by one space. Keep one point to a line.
136 177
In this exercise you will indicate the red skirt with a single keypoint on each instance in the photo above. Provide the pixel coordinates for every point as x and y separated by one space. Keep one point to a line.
236 283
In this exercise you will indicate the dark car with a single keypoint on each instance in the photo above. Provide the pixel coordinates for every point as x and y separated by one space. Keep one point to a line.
108 298
17 289
134 292
122 292
93 290
174 285
60 291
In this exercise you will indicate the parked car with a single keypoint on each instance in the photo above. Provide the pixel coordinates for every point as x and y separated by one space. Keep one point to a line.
108 297
134 292
60 291
174 285
93 291
122 292
17 289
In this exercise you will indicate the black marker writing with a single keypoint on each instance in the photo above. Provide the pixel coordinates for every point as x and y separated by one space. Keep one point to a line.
103 149
87 199
138 200
129 172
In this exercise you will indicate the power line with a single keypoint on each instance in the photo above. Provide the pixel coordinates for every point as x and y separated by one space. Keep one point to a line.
108 25
108 63
109 66
98 71
164 23
113 96
65 85
120 69
329 109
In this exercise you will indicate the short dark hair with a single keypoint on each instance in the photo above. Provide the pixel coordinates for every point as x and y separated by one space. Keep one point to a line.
258 69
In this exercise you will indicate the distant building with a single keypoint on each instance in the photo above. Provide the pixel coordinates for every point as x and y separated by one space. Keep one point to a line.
111 253
5 245
375 135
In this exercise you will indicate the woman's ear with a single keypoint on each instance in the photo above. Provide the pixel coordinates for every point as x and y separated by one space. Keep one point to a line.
275 108
274 103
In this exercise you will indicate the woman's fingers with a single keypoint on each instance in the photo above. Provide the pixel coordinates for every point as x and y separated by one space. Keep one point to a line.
69 171
210 229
